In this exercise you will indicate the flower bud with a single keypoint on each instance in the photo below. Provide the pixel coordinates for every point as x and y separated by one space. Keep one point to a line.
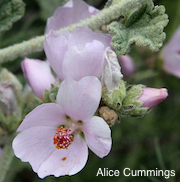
11 87
127 65
150 97
8 102
11 101
6 76
38 75
140 99
114 90
111 75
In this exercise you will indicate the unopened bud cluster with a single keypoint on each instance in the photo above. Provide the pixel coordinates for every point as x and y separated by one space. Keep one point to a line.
10 101
135 100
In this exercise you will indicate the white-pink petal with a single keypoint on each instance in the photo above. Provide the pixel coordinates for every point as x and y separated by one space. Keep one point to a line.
65 161
72 12
49 114
38 75
35 145
98 136
55 46
86 62
80 99
80 36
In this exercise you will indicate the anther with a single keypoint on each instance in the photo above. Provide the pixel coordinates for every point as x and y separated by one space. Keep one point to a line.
63 138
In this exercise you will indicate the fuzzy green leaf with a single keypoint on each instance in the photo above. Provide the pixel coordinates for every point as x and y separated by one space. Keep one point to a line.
10 12
142 25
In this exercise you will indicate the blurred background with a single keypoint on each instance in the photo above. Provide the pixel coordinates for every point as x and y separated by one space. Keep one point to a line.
138 143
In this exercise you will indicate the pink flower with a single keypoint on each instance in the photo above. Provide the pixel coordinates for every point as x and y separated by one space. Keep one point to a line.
127 65
54 137
76 54
171 55
72 12
152 96
38 75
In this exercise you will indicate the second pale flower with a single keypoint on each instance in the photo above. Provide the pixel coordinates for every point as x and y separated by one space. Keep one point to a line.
76 54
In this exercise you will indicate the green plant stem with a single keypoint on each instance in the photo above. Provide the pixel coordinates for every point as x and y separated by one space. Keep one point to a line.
106 16
6 160
159 154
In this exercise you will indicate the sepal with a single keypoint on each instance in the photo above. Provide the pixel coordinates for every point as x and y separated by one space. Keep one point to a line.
115 98
50 95
10 123
131 106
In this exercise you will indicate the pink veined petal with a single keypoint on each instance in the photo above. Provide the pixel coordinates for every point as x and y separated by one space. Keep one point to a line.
72 12
55 46
35 145
38 75
79 100
97 136
49 114
87 62
82 35
66 161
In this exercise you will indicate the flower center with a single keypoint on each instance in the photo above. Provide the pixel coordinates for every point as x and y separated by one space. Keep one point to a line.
63 138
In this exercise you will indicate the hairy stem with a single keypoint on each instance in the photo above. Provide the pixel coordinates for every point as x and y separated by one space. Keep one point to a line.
6 160
95 22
